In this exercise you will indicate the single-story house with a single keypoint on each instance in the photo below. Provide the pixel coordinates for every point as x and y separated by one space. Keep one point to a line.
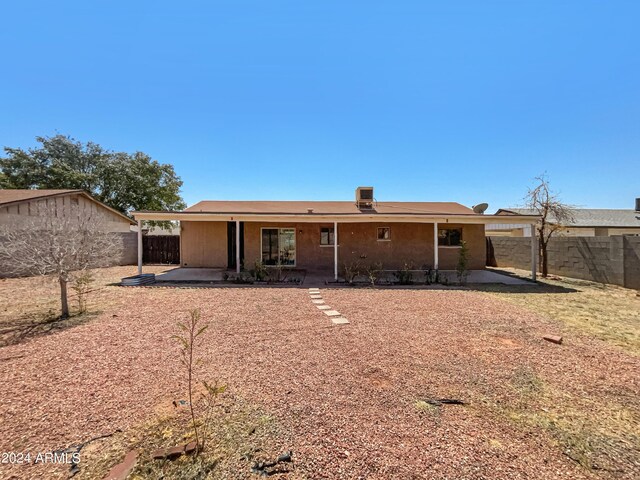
586 222
326 235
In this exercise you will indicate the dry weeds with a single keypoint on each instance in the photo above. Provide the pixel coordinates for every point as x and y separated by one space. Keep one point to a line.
608 312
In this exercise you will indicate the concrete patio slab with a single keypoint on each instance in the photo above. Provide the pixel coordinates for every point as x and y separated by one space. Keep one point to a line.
191 275
487 276
475 276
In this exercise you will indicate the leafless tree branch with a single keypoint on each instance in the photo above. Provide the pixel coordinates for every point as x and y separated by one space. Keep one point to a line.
555 215
58 242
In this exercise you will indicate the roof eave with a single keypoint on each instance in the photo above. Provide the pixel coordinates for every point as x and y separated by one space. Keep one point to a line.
331 217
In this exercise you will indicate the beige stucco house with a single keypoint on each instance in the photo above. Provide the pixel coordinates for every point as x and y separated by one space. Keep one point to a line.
26 208
17 206
326 235
586 222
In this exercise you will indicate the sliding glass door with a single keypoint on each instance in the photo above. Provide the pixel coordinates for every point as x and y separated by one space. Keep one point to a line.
279 246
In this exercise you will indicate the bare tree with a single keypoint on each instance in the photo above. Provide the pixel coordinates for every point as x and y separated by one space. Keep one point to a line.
58 242
554 214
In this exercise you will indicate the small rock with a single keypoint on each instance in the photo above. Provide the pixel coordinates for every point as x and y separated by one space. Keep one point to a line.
553 339
285 457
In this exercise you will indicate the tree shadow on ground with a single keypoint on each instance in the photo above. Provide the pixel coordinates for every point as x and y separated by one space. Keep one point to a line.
30 326
533 288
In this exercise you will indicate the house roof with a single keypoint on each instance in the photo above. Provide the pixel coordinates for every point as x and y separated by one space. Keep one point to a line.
589 217
13 196
328 208
18 195
312 212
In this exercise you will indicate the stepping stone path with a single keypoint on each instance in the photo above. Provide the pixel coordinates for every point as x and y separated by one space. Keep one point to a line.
316 299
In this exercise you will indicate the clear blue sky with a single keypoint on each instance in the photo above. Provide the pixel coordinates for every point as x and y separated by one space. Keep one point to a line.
449 100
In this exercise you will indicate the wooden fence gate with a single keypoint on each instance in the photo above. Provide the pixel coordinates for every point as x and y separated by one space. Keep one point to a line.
161 249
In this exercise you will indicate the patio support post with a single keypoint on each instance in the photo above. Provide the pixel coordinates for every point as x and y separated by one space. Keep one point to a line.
139 247
435 245
335 251
237 246
534 251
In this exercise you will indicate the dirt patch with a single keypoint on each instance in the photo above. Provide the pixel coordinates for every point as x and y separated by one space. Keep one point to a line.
33 304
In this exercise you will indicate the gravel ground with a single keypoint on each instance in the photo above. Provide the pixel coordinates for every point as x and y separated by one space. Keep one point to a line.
347 394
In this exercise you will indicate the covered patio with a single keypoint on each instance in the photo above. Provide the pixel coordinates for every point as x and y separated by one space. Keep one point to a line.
324 237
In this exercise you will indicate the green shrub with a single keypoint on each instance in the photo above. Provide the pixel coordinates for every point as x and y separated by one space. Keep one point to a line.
351 271
260 272
462 268
373 272
82 286
404 275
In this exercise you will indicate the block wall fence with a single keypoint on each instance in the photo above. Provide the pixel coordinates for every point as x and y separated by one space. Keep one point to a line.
614 259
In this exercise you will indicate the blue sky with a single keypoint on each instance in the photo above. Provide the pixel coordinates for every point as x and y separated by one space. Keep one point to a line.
459 101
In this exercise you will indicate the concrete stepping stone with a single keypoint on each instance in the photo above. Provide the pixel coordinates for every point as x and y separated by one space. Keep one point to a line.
314 290
339 320
332 313
316 297
324 307
317 302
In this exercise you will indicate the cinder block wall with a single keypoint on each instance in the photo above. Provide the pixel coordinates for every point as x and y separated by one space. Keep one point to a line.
614 260
129 248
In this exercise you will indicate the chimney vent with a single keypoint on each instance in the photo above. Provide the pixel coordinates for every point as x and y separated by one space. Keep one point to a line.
637 204
309 210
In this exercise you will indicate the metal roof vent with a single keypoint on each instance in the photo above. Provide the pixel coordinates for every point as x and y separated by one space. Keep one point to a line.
364 197
309 210
637 204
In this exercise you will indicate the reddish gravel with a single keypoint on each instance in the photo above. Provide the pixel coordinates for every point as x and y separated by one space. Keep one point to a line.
346 393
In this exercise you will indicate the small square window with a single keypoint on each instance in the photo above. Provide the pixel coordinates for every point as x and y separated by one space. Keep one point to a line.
384 233
450 237
326 236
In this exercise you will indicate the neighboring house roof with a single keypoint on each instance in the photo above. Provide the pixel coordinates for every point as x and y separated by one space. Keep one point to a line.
589 217
328 208
8 196
13 196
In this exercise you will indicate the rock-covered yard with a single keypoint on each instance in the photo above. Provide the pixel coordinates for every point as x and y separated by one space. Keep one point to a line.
347 400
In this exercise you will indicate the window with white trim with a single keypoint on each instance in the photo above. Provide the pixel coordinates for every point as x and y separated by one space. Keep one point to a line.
384 234
279 246
326 236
